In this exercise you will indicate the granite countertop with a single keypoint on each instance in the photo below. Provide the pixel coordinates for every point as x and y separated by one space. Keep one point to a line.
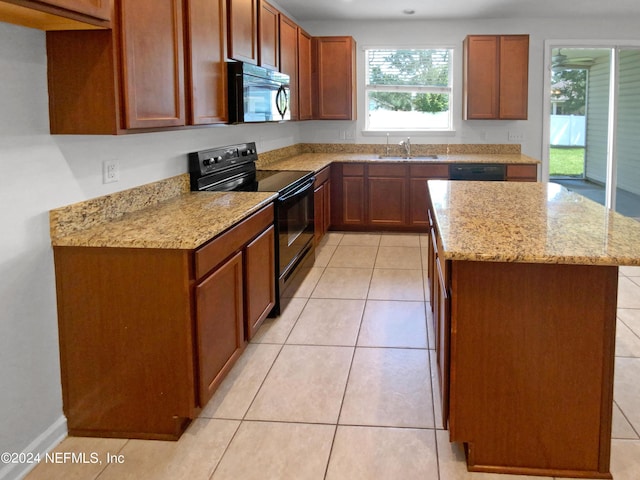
317 161
182 222
530 222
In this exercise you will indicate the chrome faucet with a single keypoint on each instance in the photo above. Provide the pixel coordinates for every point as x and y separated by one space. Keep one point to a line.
407 146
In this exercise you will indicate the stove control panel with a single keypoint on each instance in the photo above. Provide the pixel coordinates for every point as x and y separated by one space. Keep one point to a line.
212 160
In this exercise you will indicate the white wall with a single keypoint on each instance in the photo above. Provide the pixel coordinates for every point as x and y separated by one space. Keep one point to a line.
39 172
452 33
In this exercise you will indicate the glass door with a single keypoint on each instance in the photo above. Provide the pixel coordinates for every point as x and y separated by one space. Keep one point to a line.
594 122
579 119
627 133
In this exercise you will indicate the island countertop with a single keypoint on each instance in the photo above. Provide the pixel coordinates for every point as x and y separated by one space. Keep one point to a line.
530 223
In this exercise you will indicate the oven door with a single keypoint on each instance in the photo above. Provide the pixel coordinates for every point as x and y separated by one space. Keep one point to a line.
295 225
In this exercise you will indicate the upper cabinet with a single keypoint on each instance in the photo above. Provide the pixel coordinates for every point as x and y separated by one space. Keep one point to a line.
269 35
305 68
206 66
243 30
133 76
57 14
153 60
92 8
334 78
289 61
496 77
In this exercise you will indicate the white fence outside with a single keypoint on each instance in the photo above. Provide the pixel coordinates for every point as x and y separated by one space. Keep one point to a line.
567 130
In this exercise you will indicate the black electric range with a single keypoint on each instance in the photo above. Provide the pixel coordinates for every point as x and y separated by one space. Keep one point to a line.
233 168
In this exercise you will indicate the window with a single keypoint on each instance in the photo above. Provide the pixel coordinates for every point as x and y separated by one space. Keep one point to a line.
408 89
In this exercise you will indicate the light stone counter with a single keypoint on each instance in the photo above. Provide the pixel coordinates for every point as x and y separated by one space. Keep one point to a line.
530 222
181 222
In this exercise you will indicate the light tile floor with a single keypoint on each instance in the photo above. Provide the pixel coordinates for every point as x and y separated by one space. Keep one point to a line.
341 386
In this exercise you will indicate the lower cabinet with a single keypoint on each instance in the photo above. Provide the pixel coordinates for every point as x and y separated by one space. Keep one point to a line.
393 195
322 203
219 324
382 195
147 335
260 280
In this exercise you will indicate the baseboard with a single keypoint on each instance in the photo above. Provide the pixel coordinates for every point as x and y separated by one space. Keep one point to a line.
45 442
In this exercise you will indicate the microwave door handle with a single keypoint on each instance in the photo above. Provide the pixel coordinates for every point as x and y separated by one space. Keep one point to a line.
282 107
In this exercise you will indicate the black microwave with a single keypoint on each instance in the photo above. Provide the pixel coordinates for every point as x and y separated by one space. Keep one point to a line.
257 94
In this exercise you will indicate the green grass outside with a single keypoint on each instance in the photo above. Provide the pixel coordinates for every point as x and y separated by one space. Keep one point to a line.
566 161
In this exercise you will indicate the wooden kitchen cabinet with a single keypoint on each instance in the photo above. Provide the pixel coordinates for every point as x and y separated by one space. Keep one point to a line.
348 195
269 36
219 324
419 174
57 14
260 280
88 95
147 334
289 60
206 65
334 78
243 30
305 83
387 195
495 77
153 60
322 203
522 173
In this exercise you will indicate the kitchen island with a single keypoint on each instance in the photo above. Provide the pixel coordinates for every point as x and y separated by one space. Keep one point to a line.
523 281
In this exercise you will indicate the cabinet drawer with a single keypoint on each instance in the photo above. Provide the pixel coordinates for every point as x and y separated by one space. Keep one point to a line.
353 169
322 176
387 170
221 247
438 170
522 172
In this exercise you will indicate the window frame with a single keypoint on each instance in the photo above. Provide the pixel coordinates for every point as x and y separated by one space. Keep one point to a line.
367 130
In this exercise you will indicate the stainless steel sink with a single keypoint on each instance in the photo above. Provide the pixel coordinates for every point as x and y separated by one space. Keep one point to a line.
404 157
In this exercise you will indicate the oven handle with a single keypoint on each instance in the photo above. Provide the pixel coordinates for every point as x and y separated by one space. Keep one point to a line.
308 184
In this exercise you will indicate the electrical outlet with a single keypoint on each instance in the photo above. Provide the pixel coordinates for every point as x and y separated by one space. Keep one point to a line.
110 171
343 135
516 136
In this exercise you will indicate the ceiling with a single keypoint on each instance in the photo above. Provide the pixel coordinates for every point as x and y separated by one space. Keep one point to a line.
309 10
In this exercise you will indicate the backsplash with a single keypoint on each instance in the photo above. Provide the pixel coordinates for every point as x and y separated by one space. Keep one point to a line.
80 216
273 156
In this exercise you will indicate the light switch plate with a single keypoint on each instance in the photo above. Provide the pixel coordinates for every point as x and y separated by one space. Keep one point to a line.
516 136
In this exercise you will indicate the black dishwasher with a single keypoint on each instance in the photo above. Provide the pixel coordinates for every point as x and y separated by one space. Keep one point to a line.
477 171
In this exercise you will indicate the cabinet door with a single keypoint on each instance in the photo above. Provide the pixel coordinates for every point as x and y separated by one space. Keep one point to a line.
327 206
243 30
260 280
353 206
153 60
418 200
289 59
481 77
387 201
443 337
335 76
93 8
305 90
514 76
319 212
269 43
207 68
219 324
